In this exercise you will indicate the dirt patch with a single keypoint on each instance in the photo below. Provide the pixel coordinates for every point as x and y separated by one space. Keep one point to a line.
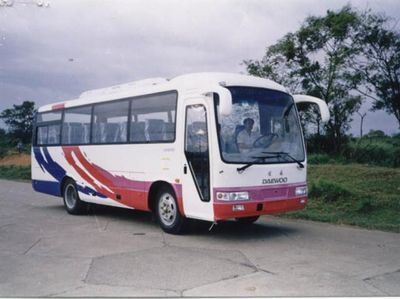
16 159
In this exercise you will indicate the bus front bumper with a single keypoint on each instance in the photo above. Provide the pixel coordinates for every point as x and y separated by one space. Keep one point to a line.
228 210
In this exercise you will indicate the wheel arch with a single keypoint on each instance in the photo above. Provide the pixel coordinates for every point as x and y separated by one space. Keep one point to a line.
63 182
156 187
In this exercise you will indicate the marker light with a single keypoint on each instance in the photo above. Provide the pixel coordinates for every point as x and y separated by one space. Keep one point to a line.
233 196
301 191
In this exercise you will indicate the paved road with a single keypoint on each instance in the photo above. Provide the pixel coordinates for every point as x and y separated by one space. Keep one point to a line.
116 252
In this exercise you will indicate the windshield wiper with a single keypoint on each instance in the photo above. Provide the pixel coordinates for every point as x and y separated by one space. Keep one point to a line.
243 168
271 155
285 154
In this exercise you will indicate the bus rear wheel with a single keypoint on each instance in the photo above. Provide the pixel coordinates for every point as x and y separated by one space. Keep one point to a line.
247 220
167 212
72 202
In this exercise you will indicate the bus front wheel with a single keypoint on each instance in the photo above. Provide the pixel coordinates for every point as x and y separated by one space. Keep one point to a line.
167 212
72 203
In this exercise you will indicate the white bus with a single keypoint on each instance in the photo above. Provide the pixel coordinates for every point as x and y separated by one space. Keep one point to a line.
208 146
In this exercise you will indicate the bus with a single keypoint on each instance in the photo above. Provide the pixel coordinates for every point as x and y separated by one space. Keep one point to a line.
207 146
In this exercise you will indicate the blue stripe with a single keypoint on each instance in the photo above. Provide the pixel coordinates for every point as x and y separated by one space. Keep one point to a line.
48 164
52 188
90 191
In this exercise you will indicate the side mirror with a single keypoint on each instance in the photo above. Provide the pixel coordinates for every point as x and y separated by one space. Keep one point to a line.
225 98
323 107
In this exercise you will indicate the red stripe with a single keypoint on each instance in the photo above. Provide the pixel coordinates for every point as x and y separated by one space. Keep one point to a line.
58 106
132 193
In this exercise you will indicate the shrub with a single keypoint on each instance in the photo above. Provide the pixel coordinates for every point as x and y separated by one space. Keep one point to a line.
3 152
15 172
365 205
324 159
328 191
318 144
378 151
318 158
375 148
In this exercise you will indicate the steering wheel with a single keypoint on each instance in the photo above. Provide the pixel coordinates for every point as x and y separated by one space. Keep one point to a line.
264 140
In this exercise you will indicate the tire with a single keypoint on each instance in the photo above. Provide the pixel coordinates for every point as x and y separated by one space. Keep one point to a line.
247 220
167 212
72 203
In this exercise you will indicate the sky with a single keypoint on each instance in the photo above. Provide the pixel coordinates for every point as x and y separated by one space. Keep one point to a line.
53 53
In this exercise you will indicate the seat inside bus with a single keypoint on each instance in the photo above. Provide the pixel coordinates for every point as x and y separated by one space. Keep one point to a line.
169 131
115 132
155 129
76 133
137 132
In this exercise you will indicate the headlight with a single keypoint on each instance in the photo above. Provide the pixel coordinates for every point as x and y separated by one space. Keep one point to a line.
233 196
301 191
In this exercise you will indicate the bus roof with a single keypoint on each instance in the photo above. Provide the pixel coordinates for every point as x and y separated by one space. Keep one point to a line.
154 85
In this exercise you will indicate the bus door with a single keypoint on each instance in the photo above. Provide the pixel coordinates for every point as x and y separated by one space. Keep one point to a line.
196 165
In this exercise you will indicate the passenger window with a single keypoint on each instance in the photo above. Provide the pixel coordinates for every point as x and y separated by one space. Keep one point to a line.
41 136
48 116
76 125
53 134
153 118
48 129
110 122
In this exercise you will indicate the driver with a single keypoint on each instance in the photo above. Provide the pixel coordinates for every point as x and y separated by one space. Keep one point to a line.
246 137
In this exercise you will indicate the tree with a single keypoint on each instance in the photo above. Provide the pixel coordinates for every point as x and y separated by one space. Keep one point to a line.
317 56
19 121
362 116
379 65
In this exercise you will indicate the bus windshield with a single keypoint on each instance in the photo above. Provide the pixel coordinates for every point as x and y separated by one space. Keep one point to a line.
262 128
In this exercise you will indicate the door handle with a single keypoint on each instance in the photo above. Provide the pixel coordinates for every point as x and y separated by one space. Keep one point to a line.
185 169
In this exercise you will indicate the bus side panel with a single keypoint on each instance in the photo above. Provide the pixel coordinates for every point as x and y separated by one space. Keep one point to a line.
106 175
50 165
46 173
123 181
160 165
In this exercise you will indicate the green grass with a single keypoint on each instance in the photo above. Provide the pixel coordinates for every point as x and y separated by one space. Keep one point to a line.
354 194
13 172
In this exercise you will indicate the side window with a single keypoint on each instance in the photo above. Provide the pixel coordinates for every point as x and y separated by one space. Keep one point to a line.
196 148
110 122
76 125
153 118
41 135
53 134
48 127
48 116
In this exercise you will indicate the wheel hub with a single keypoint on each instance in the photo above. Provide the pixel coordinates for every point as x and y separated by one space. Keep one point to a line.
167 209
70 196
